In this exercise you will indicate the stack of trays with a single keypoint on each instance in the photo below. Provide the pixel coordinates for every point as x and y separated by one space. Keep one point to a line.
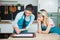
24 35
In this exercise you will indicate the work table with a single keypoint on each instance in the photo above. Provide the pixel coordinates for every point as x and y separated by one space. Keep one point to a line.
5 22
6 26
51 36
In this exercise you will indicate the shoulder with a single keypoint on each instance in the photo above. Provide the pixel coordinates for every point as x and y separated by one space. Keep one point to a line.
21 13
51 22
32 15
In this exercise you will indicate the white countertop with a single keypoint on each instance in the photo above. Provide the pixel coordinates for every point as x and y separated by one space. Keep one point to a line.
38 37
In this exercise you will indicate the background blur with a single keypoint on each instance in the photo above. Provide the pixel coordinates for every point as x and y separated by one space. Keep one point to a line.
9 9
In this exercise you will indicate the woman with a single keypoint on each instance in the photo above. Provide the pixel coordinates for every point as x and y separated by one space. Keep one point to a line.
23 20
46 24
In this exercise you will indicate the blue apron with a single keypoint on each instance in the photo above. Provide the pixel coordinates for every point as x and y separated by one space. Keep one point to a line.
20 24
52 30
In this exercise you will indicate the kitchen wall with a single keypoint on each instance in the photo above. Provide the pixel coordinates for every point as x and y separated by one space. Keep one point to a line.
58 3
23 2
53 15
52 7
49 5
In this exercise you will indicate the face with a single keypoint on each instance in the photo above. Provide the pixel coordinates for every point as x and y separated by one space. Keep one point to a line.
28 13
40 17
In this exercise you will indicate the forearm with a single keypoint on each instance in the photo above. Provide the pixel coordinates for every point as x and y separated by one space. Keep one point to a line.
45 32
16 29
19 30
23 29
39 27
32 19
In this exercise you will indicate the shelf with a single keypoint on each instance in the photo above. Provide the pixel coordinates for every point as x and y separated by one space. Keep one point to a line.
5 22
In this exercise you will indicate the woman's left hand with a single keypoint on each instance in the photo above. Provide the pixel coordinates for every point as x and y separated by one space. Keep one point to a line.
38 20
40 32
45 32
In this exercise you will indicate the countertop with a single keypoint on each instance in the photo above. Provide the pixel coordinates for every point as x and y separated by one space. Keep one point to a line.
10 21
5 22
50 36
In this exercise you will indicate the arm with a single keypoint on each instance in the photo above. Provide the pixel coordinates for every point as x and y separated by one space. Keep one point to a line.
47 30
39 27
14 23
40 30
17 30
32 19
50 25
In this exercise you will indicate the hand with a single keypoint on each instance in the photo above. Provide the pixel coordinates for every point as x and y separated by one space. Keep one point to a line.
40 32
38 20
18 31
44 32
23 29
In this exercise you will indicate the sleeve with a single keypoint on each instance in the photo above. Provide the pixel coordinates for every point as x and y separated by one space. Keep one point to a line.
51 23
18 16
32 19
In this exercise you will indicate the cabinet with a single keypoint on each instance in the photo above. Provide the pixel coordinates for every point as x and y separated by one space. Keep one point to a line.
6 27
33 27
9 15
8 0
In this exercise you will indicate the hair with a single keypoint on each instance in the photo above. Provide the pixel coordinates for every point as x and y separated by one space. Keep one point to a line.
42 16
43 10
29 7
45 17
38 13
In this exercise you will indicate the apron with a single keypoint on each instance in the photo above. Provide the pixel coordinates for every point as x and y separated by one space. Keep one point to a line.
54 29
20 24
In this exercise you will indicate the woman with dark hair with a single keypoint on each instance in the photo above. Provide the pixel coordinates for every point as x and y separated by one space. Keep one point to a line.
23 20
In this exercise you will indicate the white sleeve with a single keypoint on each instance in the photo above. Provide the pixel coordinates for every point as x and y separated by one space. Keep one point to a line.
18 16
32 19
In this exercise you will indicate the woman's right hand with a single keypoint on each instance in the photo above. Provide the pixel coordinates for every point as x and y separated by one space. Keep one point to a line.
38 20
17 30
40 32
